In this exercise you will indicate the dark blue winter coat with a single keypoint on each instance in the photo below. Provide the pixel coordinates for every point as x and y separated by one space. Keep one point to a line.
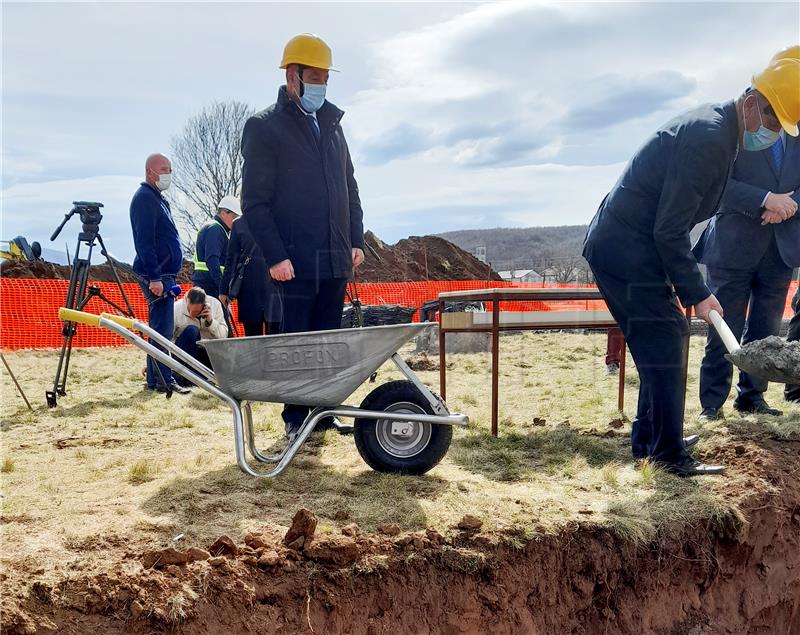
735 238
155 237
300 196
674 181
259 298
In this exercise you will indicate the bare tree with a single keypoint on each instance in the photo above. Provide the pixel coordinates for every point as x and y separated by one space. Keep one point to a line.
206 164
566 269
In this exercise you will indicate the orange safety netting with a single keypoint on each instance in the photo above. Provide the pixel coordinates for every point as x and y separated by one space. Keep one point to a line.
29 307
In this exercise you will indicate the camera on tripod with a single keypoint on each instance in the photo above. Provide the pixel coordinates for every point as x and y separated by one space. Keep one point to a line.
80 292
90 219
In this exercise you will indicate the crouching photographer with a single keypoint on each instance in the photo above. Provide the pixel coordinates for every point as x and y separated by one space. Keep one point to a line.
197 316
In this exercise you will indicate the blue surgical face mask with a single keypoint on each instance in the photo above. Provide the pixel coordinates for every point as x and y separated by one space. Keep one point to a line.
313 96
761 139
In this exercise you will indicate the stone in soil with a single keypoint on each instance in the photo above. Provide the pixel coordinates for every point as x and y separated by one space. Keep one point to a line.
304 524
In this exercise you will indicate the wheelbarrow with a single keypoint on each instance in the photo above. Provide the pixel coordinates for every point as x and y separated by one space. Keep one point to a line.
400 427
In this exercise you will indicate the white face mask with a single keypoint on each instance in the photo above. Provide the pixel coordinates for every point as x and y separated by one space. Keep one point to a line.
163 182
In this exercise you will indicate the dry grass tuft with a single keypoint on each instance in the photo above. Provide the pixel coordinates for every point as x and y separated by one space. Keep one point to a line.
141 472
8 466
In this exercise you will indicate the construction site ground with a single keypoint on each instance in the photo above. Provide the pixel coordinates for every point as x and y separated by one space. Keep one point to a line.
124 512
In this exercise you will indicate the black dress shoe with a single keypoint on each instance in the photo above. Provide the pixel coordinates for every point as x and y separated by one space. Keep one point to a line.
760 408
691 440
691 467
711 414
688 442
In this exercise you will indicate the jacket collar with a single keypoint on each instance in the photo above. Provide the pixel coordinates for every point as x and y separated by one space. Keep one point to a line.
732 121
327 114
154 189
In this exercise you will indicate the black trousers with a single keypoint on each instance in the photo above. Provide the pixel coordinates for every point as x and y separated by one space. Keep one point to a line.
261 328
657 334
761 289
792 391
310 305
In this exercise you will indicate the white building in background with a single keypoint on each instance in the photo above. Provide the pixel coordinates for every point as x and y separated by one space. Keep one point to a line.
520 275
480 253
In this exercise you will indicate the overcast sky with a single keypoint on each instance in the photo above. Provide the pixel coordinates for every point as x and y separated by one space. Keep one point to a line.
458 115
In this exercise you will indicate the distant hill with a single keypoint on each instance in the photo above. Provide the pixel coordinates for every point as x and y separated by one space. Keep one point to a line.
522 247
529 247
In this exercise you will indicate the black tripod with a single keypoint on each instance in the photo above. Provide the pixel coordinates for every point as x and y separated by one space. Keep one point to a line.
80 292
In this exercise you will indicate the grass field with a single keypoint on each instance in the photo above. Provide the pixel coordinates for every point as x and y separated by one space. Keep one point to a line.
114 468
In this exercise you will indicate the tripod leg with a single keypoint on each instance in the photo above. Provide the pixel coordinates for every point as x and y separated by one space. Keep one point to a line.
114 273
75 297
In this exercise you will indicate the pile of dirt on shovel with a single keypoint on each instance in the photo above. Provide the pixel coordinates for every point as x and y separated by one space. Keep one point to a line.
774 356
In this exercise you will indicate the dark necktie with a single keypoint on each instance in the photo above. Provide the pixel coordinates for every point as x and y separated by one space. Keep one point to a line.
777 154
312 123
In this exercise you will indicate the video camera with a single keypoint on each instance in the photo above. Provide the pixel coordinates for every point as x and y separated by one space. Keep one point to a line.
90 218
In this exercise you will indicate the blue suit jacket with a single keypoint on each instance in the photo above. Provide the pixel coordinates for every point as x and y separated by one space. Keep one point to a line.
735 237
675 180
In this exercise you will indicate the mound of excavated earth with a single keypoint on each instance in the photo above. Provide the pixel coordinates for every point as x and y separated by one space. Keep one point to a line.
412 259
419 258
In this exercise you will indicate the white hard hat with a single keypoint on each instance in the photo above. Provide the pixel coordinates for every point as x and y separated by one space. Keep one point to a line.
230 203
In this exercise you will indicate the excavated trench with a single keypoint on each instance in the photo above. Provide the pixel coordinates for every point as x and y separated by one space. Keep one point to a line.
736 573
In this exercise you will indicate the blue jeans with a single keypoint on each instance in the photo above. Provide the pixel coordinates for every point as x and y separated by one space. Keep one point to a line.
187 342
161 317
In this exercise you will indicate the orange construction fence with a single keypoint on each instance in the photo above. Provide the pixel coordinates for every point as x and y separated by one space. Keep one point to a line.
29 307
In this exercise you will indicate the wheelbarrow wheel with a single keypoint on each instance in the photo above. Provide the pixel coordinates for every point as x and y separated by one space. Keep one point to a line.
401 447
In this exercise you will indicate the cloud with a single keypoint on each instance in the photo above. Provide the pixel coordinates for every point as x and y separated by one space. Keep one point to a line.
398 142
611 99
457 114
34 210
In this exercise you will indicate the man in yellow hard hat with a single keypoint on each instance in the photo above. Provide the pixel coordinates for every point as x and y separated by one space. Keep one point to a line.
300 197
758 215
639 249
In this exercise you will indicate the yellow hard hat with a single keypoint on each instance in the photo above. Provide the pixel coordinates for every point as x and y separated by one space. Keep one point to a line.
790 52
307 49
780 84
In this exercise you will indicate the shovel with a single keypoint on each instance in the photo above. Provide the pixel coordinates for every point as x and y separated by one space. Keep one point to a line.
775 359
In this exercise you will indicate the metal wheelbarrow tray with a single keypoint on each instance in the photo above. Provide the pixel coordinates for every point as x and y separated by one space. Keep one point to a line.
401 426
322 368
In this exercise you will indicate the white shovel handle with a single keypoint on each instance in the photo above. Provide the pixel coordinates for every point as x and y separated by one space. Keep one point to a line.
728 338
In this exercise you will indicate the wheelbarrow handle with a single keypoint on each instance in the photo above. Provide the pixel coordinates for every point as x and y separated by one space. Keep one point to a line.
128 323
725 333
71 315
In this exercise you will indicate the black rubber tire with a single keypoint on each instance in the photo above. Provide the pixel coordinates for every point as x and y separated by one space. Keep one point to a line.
384 452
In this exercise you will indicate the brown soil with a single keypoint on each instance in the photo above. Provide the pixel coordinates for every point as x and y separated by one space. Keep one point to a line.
411 259
97 273
734 575
419 258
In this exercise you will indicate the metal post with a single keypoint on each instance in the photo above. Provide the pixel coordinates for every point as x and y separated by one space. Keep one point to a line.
495 360
622 354
442 361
